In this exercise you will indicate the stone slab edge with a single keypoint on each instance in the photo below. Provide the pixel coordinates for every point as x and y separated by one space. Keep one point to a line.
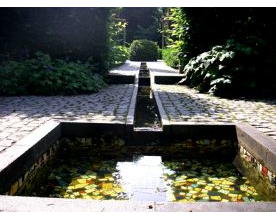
21 156
28 142
164 118
262 147
166 80
194 129
88 129
132 105
32 204
120 79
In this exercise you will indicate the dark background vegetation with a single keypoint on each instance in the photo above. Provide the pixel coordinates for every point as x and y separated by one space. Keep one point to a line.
247 32
66 33
221 51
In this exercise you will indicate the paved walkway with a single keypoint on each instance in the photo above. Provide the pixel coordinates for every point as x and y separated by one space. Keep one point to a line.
21 115
160 68
157 68
183 104
129 68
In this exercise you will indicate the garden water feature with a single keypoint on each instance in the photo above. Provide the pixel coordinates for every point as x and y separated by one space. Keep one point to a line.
185 163
146 112
104 167
147 178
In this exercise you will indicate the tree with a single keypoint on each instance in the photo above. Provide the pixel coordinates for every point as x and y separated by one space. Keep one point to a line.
142 23
67 33
193 31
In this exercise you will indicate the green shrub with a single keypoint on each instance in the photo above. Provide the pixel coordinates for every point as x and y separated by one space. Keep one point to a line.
118 55
43 76
170 56
143 50
224 70
159 53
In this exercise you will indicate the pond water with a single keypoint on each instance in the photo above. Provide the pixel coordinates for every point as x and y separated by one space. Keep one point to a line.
146 114
146 111
147 178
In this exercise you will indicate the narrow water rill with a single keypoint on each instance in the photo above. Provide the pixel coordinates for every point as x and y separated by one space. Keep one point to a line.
146 112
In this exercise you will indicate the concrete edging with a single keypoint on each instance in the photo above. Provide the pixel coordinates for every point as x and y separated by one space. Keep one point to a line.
168 80
27 204
21 156
164 118
86 129
120 79
262 147
131 109
210 130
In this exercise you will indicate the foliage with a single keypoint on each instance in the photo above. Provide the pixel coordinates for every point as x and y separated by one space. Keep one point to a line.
116 27
175 30
170 56
142 23
64 33
44 76
118 55
193 31
159 51
118 52
224 70
143 50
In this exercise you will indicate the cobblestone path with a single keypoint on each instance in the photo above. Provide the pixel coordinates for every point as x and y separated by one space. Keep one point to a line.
183 104
21 115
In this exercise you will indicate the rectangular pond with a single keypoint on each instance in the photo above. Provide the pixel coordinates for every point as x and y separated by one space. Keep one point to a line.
145 178
74 161
104 168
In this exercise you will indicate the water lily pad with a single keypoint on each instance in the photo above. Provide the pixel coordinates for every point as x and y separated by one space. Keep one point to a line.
217 198
107 186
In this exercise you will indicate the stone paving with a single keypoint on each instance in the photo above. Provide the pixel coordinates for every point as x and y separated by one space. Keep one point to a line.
21 115
160 68
129 68
183 104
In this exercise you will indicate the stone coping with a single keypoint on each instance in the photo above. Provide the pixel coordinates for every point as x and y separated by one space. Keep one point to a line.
262 147
120 79
167 79
20 157
132 106
164 118
32 204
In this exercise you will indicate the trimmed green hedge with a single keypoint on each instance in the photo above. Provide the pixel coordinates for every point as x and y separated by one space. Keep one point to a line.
43 76
143 50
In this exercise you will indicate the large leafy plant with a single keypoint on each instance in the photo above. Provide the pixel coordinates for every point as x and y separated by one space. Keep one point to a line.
43 76
224 70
